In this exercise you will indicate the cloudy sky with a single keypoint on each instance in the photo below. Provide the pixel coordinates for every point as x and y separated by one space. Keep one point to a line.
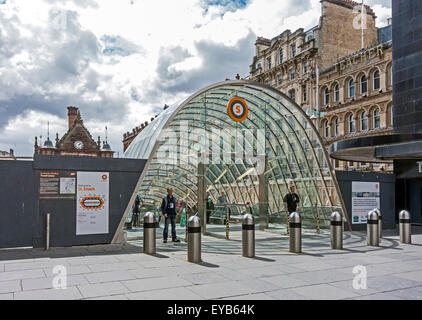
120 61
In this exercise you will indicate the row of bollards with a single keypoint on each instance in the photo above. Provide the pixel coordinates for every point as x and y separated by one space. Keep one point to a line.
374 227
374 233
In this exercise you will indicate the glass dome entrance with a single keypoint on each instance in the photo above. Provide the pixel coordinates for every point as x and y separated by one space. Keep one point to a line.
210 159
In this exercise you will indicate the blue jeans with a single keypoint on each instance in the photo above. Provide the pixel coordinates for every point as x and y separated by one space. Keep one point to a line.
172 218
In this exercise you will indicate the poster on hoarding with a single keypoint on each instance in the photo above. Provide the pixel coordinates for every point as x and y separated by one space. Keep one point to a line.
365 197
92 203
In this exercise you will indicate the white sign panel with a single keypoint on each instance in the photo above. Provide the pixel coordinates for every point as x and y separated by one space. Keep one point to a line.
365 197
92 204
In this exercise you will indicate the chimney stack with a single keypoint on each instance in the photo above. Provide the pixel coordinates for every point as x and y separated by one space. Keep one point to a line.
72 113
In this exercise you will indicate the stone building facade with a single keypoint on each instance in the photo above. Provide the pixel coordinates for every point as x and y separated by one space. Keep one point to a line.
308 65
291 61
356 100
77 141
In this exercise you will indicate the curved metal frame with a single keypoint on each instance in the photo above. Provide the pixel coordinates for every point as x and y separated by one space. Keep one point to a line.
262 93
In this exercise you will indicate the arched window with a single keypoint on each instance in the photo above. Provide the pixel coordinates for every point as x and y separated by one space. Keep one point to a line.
326 96
326 129
363 121
351 123
351 88
337 93
292 94
336 127
376 80
377 121
363 85
391 116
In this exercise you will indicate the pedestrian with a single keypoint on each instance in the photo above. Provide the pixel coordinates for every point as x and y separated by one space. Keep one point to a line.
168 208
210 208
291 201
136 209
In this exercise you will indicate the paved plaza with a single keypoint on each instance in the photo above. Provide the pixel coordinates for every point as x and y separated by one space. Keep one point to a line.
394 270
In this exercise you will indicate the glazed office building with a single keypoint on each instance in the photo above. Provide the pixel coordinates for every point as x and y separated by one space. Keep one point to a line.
245 143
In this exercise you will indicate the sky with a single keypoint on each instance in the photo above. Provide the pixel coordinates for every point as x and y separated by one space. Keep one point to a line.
120 61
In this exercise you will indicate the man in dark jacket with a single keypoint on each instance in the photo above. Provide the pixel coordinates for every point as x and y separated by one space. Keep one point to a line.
291 200
168 209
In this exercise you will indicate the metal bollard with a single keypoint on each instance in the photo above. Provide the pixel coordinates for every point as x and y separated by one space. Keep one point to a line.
336 231
378 211
149 233
248 236
47 231
405 227
295 225
372 229
194 239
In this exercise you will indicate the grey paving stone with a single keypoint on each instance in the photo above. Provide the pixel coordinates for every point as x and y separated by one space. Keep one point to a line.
71 293
156 283
10 286
220 290
32 265
380 296
165 294
203 278
113 297
113 266
285 294
254 296
382 284
70 270
286 281
411 275
141 273
315 266
47 283
409 294
6 296
23 274
347 285
102 289
322 276
109 276
323 292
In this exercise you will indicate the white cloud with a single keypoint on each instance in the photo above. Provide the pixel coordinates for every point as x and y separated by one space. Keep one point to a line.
121 61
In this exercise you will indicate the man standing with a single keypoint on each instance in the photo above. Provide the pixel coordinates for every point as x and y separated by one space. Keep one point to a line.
291 201
168 208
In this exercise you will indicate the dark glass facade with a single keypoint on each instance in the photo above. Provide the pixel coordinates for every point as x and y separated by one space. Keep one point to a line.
407 66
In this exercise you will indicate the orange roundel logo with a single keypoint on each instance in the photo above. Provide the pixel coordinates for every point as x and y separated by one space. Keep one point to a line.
104 177
91 203
237 109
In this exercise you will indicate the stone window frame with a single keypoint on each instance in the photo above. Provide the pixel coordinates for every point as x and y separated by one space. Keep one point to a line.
326 96
351 122
279 79
304 93
326 128
336 92
374 71
280 56
336 127
349 87
375 116
292 72
363 120
363 83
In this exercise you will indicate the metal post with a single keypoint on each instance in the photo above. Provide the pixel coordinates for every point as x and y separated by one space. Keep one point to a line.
47 232
378 211
194 239
149 233
336 231
295 225
372 229
405 227
248 236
